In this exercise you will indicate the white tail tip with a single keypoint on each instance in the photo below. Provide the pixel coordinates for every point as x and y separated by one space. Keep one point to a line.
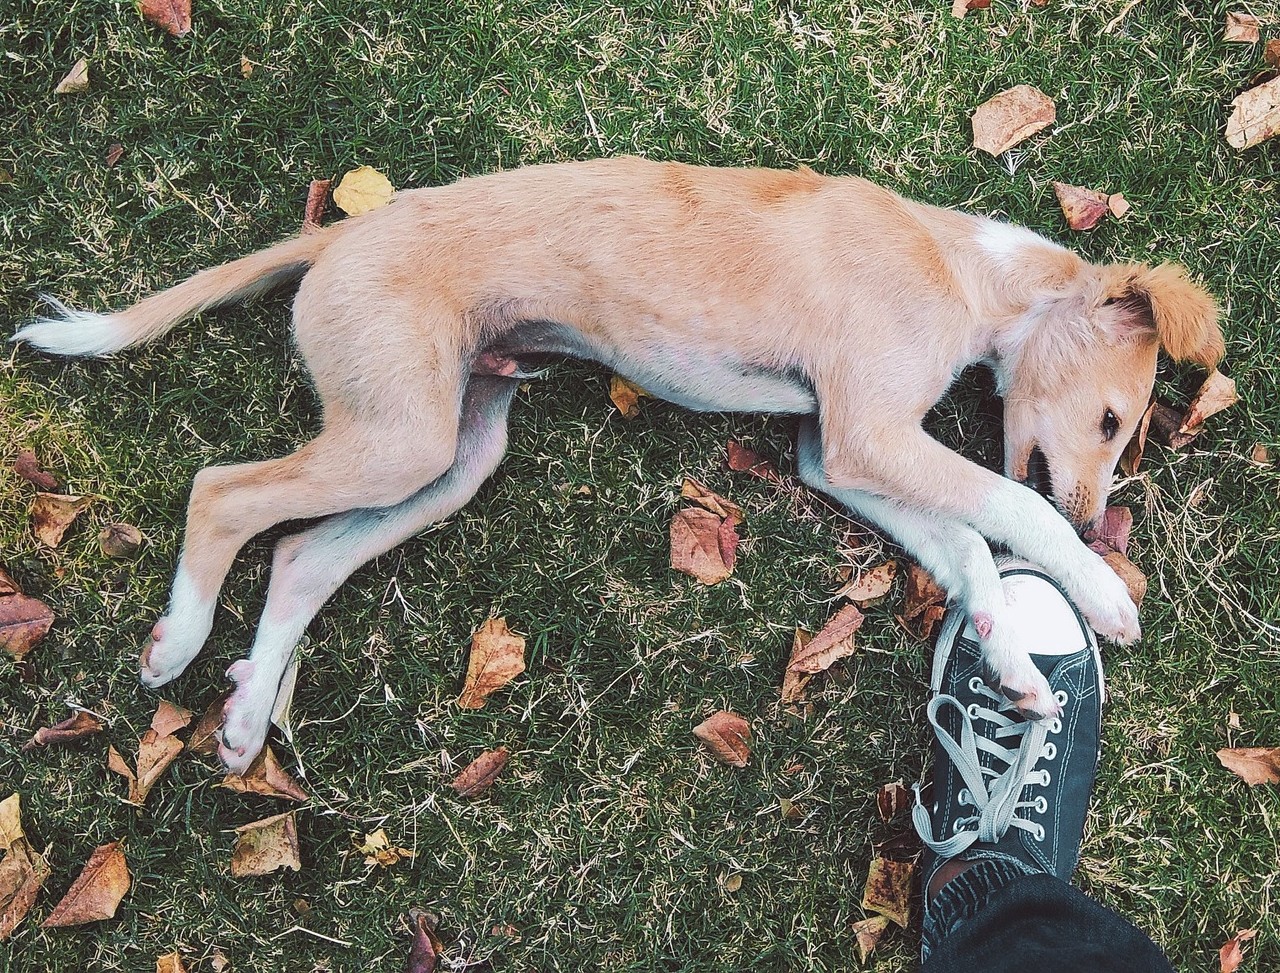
74 332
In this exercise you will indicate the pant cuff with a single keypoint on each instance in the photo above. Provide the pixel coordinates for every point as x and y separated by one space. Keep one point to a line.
960 899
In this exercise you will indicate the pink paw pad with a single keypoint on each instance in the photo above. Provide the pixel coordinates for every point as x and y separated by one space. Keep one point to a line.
984 623
157 631
239 672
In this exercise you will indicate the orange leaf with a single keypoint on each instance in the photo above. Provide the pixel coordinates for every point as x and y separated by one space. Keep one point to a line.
691 489
170 963
266 845
794 681
870 587
479 775
204 738
888 889
174 16
727 736
1003 121
265 776
169 718
22 873
961 7
1118 205
97 892
743 460
52 514
1129 573
1231 955
1271 53
317 205
891 799
378 850
626 396
497 657
1132 456
835 641
1253 765
1217 393
1082 207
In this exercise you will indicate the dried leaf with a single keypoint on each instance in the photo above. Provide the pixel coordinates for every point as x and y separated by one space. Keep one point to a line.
1255 115
28 467
266 845
1082 207
727 736
888 890
362 190
1003 121
424 953
219 961
10 821
1231 955
1165 422
317 205
120 540
1131 459
732 883
24 620
497 657
1241 28
479 775
1118 205
961 7
868 933
97 892
77 80
22 873
626 396
794 681
1217 393
282 709
922 592
169 718
1260 455
691 489
902 847
892 799
246 70
835 641
170 963
1111 533
52 514
205 738
115 152
1253 765
1271 53
870 587
174 16
378 850
75 727
1129 573
265 776
743 460
703 545
157 749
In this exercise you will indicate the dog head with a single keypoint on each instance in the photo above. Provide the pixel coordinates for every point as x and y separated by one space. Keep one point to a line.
1081 373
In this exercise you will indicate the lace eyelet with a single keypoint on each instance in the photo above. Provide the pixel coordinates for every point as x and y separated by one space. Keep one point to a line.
972 710
1062 697
955 826
1055 725
1041 805
1050 751
975 684
964 797
1039 833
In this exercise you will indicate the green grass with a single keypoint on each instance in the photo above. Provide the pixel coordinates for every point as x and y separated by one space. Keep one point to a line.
606 843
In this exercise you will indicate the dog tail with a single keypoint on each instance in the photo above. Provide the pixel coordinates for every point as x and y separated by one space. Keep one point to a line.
77 333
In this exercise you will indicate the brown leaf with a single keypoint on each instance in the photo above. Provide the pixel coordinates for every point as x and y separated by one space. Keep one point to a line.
362 190
1111 533
169 718
264 846
28 467
703 545
1129 573
1131 459
835 641
868 933
1253 765
10 821
1217 393
1165 422
497 657
24 620
265 776
1271 53
1118 205
1260 455
793 681
22 873
743 460
1241 28
52 514
96 893
922 592
708 499
425 950
1231 955
727 736
317 204
174 16
888 890
870 587
1003 121
205 738
479 775
77 726
115 152
76 80
626 396
1082 207
120 540
961 7
1255 115
170 963
246 70
902 847
378 850
892 799
157 749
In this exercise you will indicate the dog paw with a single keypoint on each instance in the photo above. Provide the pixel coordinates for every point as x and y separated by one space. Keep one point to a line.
1106 605
246 719
167 652
1008 669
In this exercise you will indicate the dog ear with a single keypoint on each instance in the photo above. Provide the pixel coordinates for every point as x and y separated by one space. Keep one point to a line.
1184 315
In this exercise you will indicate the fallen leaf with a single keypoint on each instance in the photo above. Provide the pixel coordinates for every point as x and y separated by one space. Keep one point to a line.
362 190
115 152
28 467
1241 28
52 514
794 681
170 963
1003 121
265 776
1260 455
219 961
732 883
282 709
902 847
97 891
174 16
1082 207
22 873
266 845
743 460
10 821
77 80
888 889
120 540
626 396
1231 955
1271 53
961 7
835 641
1118 205
1217 393
892 799
1129 573
870 587
425 950
497 657
1253 765
77 726
1131 459
703 545
727 736
1165 422
708 499
868 933
169 718
24 620
1255 115
378 850
317 205
924 605
204 738
157 749
246 69
1111 533
479 775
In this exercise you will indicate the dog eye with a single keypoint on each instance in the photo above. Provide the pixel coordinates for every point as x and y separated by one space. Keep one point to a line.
1110 425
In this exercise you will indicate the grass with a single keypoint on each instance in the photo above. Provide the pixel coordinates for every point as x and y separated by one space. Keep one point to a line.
608 842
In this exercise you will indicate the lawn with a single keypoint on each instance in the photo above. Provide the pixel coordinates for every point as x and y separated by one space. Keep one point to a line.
610 841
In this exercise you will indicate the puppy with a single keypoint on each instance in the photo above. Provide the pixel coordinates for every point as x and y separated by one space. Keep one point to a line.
718 289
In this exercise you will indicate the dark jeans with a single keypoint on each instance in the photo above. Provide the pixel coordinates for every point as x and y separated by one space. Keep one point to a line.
995 919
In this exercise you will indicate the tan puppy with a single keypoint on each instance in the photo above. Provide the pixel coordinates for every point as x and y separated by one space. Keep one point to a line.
719 289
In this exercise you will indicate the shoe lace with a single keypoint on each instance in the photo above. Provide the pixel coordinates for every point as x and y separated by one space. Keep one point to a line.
1015 746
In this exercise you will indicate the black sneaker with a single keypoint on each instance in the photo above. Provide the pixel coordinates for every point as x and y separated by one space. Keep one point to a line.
1007 789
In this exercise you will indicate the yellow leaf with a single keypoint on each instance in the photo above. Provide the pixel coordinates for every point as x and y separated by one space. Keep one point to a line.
362 190
77 79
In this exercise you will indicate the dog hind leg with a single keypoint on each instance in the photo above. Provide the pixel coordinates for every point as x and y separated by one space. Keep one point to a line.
309 567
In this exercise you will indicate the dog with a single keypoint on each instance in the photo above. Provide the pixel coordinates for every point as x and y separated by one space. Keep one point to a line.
718 289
